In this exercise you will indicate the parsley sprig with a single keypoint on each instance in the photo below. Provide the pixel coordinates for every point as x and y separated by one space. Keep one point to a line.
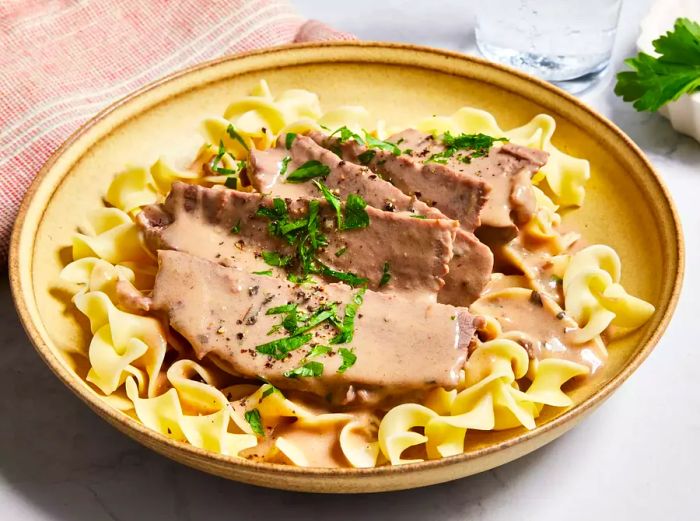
656 81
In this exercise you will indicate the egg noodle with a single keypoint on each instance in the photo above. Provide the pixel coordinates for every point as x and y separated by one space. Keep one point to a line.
137 364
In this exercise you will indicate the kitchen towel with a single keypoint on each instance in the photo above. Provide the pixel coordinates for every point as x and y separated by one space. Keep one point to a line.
62 61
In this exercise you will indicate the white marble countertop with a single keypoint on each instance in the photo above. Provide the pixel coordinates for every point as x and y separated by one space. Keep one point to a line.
637 457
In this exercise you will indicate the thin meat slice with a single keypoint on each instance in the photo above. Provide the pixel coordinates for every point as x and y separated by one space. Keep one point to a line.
399 344
471 264
508 170
457 196
222 225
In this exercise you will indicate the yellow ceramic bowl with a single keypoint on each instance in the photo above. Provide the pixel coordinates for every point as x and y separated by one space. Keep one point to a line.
627 206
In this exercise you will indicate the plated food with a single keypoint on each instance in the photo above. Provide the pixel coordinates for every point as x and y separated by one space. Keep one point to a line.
321 289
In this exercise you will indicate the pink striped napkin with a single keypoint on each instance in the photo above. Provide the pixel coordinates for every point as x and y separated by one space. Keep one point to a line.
61 61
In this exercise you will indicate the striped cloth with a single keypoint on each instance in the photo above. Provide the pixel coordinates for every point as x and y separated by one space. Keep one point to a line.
61 61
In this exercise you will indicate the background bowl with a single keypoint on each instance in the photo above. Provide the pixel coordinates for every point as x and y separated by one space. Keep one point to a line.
627 206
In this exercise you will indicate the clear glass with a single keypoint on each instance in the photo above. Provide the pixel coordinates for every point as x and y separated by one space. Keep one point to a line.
556 40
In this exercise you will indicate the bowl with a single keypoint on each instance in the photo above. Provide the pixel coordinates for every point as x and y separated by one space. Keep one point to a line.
627 207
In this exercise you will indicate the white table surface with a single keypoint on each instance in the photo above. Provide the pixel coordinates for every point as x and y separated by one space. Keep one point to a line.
636 457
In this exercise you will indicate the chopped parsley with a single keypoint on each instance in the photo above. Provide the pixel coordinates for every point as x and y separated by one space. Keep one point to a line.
477 145
255 422
332 200
365 158
355 214
231 182
308 370
272 258
319 350
231 131
267 392
341 251
345 134
388 146
386 276
300 279
286 308
309 170
349 359
237 227
343 276
347 326
266 272
285 164
289 139
416 216
279 349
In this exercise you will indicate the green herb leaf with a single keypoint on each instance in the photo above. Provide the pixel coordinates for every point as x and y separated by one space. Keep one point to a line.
345 134
255 422
319 350
347 327
308 370
416 216
656 81
266 272
373 142
279 349
341 251
308 170
285 164
237 227
386 276
286 308
267 392
332 200
300 279
355 214
366 157
319 316
478 145
231 182
289 139
272 258
347 277
277 212
231 131
349 359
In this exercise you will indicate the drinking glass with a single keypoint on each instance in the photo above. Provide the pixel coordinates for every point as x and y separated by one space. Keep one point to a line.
556 40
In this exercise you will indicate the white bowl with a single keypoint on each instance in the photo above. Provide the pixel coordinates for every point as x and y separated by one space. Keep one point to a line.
684 114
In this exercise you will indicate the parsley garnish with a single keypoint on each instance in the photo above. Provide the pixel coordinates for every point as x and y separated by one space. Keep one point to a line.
355 214
373 142
285 164
319 350
267 392
308 170
332 200
273 258
386 276
231 131
656 81
347 327
349 359
345 134
308 370
286 308
478 145
266 272
279 349
341 251
416 216
366 157
231 182
348 277
237 227
255 422
300 279
289 139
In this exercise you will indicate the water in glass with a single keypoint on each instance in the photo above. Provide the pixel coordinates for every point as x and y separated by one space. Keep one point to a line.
557 40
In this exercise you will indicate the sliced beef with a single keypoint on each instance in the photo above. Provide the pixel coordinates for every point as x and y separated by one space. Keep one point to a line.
469 268
506 202
456 196
399 344
200 220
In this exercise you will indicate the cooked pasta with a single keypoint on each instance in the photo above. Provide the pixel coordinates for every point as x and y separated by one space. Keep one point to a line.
515 362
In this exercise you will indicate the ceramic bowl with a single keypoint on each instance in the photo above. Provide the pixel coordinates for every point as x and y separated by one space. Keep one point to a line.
627 206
